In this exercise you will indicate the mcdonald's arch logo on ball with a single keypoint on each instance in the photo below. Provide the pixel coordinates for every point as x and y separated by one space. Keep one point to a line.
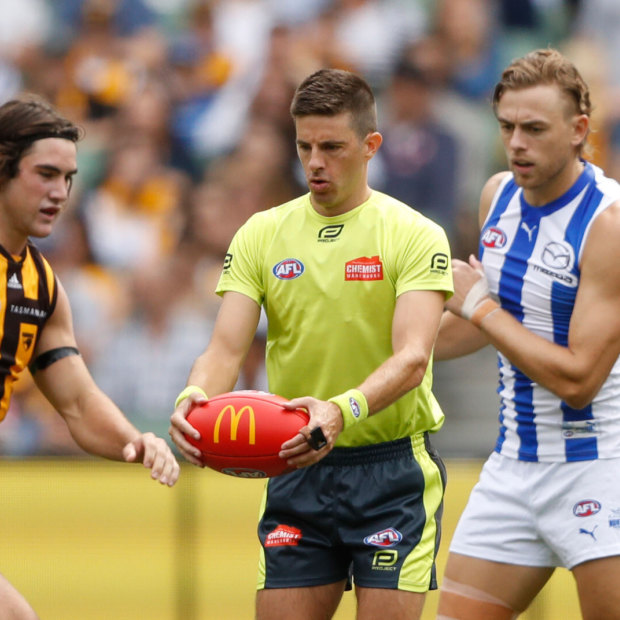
241 433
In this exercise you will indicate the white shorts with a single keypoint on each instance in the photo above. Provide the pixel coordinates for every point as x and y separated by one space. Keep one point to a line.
542 514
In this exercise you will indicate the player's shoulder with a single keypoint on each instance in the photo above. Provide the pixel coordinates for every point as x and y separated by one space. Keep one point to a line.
396 212
273 216
493 184
608 186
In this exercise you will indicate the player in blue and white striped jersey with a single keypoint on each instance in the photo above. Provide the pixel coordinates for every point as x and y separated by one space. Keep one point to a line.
546 294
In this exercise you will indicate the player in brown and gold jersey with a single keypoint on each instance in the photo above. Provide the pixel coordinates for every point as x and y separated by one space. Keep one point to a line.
37 166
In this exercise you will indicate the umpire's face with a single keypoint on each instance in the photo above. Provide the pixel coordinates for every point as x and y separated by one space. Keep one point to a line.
335 161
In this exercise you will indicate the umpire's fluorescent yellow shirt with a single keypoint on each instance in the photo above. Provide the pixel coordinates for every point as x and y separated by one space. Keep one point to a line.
329 286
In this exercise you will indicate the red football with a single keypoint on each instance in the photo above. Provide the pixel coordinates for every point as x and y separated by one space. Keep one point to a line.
241 432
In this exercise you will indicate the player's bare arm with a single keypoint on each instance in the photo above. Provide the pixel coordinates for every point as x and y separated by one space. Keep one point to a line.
416 321
574 373
457 337
217 369
94 421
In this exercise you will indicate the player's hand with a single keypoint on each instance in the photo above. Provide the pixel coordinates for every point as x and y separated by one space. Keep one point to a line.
155 454
470 287
179 427
324 415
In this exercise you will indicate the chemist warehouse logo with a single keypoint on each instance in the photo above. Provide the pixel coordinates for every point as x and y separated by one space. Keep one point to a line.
364 268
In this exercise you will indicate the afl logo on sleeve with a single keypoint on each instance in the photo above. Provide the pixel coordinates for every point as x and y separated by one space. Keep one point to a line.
227 262
288 269
493 237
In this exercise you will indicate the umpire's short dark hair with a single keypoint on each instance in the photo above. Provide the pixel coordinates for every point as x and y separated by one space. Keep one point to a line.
329 92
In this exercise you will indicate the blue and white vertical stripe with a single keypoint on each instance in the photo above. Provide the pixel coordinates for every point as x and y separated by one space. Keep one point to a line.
531 258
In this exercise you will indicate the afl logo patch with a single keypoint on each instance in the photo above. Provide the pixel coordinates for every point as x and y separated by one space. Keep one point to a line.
288 269
586 508
493 237
384 538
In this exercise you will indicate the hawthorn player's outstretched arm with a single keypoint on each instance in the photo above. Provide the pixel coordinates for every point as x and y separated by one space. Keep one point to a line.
95 422
217 369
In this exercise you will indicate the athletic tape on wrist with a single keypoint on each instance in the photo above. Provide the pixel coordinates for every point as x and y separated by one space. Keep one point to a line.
190 389
353 406
487 307
476 295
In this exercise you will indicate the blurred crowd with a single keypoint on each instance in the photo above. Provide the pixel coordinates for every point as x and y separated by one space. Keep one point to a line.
184 104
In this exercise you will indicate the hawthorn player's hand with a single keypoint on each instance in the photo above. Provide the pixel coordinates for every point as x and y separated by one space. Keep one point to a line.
155 454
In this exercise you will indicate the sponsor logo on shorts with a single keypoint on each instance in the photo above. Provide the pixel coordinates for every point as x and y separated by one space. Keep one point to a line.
493 237
586 508
364 268
614 518
288 269
385 560
385 538
283 536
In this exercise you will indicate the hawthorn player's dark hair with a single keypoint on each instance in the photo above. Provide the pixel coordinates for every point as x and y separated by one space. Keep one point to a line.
23 121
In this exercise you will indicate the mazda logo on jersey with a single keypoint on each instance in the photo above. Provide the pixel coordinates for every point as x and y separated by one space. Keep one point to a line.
288 269
557 255
328 234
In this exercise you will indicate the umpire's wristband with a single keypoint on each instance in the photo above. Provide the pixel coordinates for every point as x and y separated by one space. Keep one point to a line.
353 406
190 389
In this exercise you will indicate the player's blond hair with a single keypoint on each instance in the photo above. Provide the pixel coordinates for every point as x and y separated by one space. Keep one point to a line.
546 66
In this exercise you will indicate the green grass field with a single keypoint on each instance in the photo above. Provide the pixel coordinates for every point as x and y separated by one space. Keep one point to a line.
91 540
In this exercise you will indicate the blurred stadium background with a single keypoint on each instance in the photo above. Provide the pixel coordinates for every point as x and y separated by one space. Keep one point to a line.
185 109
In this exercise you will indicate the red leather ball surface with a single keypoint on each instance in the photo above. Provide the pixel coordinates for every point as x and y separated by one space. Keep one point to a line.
241 432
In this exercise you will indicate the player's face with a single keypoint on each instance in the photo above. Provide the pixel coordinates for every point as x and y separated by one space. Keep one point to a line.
335 161
31 201
541 133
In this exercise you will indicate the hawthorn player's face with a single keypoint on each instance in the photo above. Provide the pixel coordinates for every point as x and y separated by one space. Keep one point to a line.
335 161
541 132
31 202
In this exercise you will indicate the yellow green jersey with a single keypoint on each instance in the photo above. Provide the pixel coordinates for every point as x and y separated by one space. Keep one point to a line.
329 286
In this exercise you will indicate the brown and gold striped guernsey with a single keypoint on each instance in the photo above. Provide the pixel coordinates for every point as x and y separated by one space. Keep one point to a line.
27 298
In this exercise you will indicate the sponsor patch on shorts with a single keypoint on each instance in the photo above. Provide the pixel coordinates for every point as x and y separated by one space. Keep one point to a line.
283 536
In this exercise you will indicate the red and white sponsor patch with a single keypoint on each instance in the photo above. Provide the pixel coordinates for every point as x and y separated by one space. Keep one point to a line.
282 536
364 268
